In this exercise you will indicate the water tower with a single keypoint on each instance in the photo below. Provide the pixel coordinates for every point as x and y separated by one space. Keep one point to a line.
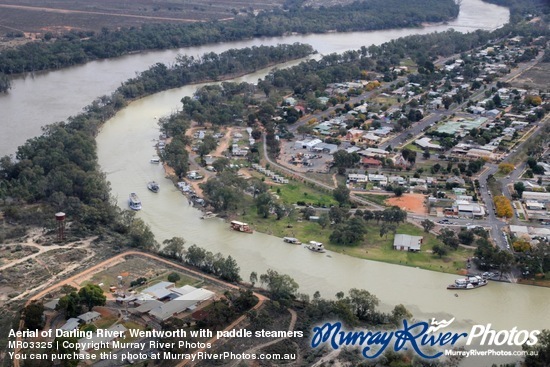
60 219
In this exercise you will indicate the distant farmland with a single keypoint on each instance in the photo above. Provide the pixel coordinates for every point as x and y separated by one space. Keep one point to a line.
41 16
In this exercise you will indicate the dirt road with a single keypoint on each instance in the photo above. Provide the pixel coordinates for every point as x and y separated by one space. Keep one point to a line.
69 11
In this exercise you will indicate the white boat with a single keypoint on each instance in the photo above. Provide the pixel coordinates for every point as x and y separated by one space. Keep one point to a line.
209 215
134 202
153 186
292 240
240 227
155 160
471 282
316 246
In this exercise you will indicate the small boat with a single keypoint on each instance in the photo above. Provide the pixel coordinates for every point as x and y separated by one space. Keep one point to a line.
472 282
134 202
209 215
240 227
153 186
292 240
315 246
155 160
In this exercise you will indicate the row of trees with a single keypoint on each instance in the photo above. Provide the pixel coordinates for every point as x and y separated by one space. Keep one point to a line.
76 48
225 268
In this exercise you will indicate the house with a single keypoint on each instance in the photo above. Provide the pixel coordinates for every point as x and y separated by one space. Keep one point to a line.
468 209
182 303
534 205
71 324
90 316
371 162
325 148
381 179
542 197
373 152
160 290
357 177
456 180
400 161
426 143
405 242
306 144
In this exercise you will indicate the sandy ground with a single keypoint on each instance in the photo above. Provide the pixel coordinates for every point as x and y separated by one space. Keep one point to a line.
413 203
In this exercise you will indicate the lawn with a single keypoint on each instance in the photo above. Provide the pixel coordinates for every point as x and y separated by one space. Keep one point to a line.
378 199
294 191
381 249
373 247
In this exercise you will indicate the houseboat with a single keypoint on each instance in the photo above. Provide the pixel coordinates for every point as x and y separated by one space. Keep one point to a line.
316 246
209 215
240 227
471 282
292 240
134 202
153 186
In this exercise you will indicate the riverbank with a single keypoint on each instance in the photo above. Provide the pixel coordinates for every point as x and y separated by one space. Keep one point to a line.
374 247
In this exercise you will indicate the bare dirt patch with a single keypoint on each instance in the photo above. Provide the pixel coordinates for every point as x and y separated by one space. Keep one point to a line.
413 203
538 77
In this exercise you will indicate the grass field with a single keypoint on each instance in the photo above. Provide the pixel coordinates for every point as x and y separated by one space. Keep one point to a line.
381 249
373 247
294 191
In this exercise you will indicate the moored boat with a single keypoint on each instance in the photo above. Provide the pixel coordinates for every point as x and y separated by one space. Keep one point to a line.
316 246
134 202
153 186
292 240
155 160
471 282
209 215
240 227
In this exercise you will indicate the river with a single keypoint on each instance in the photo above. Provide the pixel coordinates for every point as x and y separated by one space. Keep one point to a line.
125 146
42 98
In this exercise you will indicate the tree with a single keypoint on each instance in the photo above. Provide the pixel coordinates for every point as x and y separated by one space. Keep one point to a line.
33 315
208 144
519 187
428 225
541 350
341 194
229 270
363 303
398 314
281 286
398 191
263 204
253 278
440 250
92 295
324 220
506 168
173 277
466 237
174 248
70 305
448 237
304 130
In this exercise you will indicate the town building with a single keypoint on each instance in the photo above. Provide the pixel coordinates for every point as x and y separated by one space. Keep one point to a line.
405 242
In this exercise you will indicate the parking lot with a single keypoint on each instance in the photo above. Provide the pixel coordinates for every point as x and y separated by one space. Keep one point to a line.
303 160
